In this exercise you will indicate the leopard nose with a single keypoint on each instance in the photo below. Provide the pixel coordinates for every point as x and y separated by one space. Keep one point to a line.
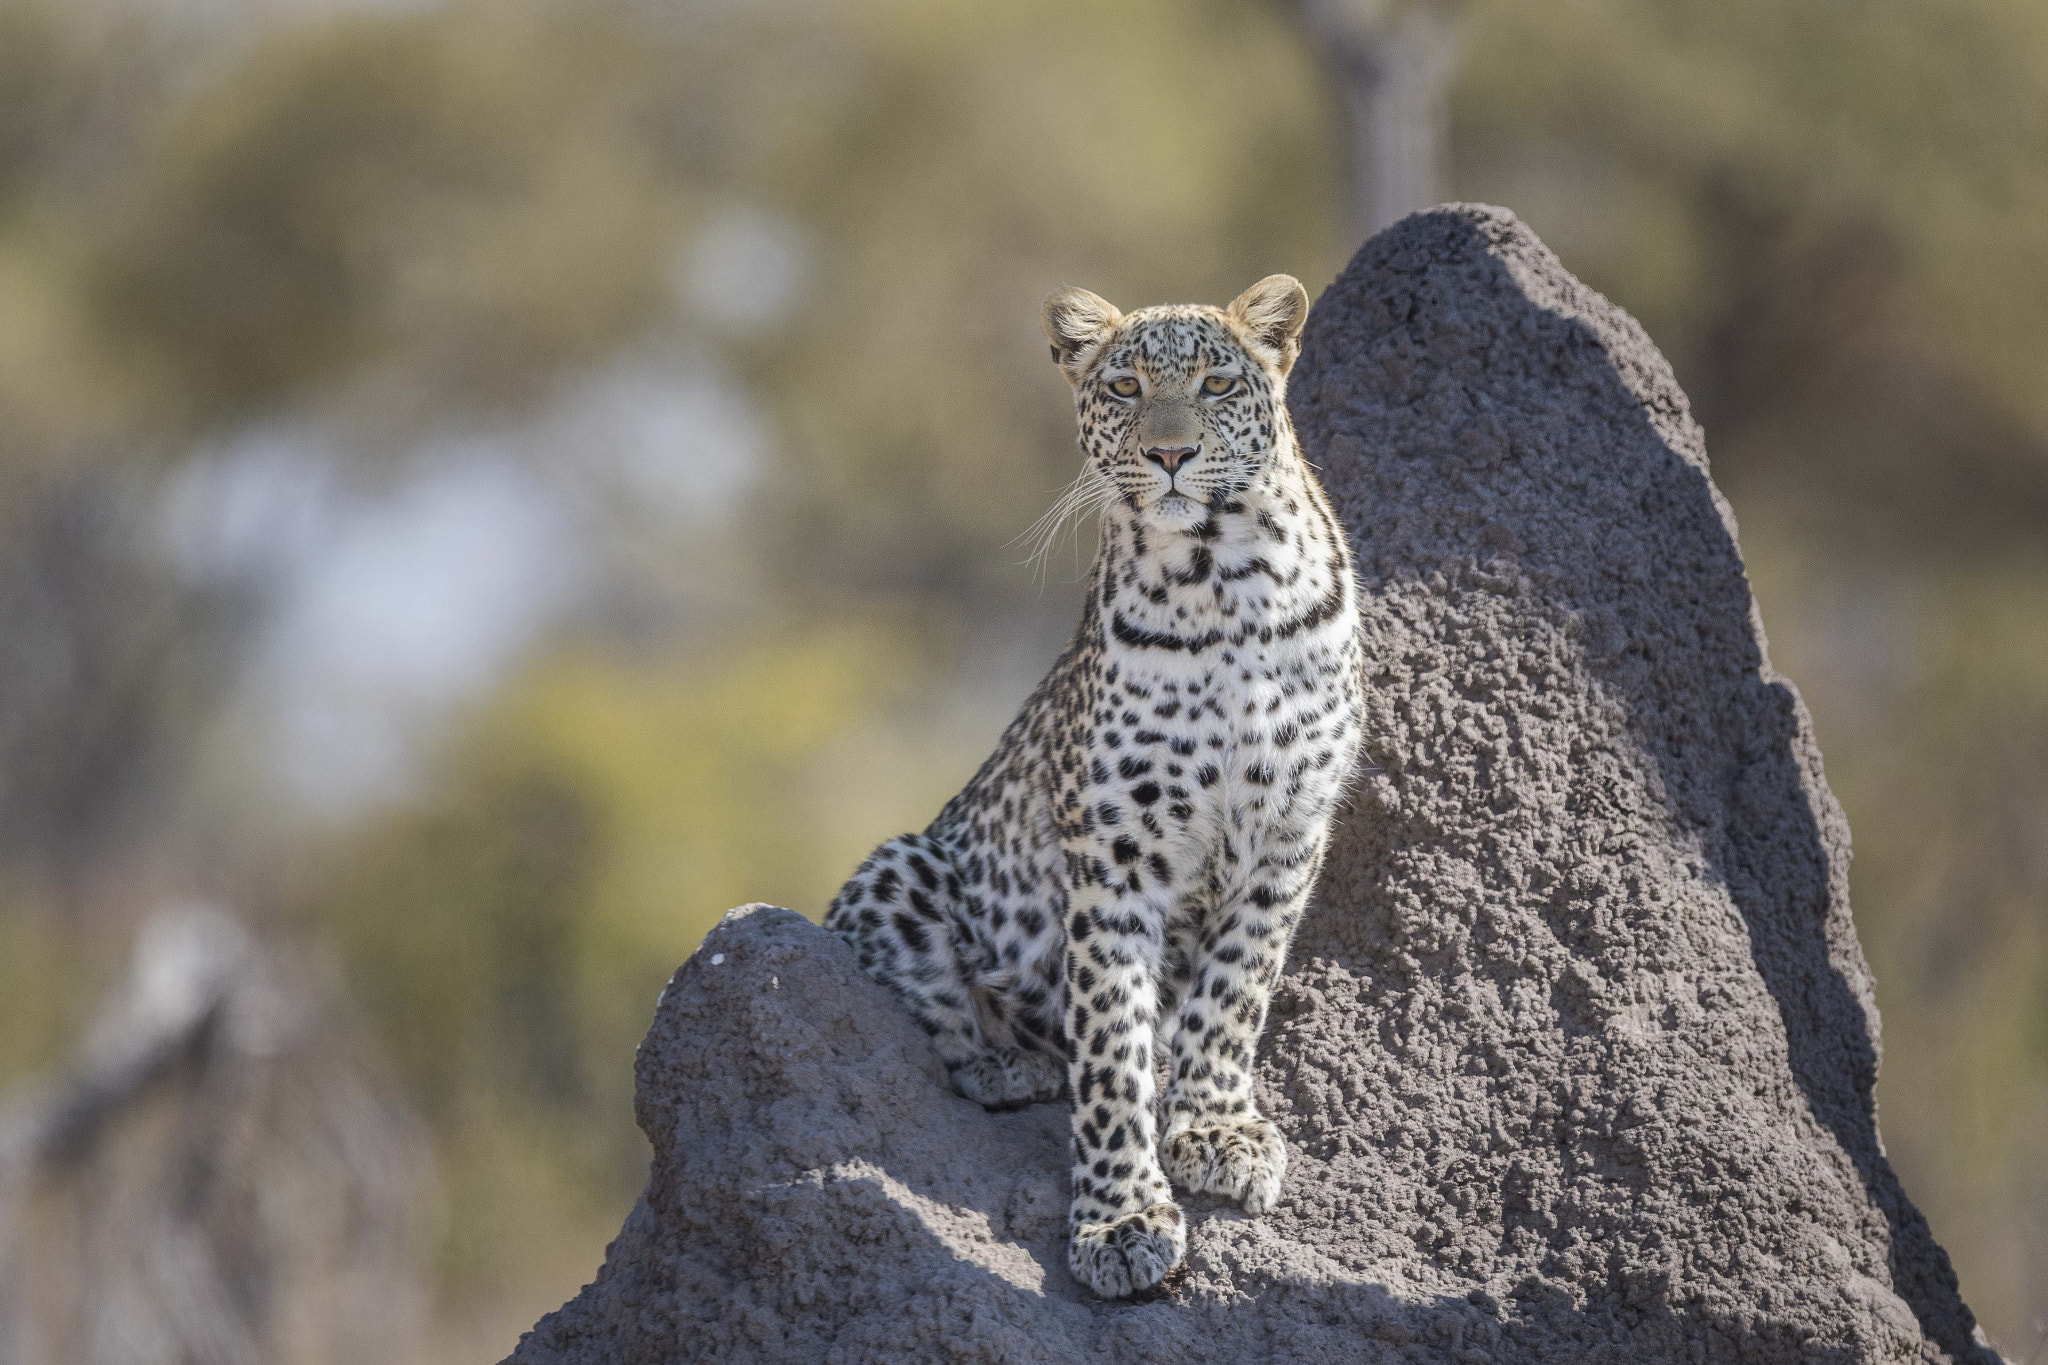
1171 458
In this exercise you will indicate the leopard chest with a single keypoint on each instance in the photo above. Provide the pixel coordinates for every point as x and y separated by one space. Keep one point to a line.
1220 712
1200 761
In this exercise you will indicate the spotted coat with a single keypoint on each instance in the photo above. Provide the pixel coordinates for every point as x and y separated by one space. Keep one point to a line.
1118 884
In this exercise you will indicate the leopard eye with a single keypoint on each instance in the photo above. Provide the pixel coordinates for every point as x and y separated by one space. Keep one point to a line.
1126 387
1216 385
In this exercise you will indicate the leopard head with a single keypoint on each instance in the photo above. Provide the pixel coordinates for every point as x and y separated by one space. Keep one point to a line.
1180 405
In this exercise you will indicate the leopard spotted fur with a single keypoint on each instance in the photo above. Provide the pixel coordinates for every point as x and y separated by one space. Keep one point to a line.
1127 869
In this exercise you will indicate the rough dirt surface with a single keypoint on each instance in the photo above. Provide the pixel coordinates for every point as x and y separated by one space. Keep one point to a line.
1576 1049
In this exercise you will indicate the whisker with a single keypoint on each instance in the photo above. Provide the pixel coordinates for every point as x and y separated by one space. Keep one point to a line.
1086 495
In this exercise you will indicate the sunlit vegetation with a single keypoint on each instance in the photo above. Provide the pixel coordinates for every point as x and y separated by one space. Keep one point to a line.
407 224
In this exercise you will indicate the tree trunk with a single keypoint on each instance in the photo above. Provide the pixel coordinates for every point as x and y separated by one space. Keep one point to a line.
1389 64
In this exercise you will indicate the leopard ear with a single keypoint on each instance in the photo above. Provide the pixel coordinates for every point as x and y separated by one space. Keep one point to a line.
1076 323
1270 314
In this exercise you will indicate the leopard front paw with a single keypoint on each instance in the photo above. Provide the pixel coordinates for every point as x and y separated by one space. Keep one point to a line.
1128 1255
1010 1078
1241 1159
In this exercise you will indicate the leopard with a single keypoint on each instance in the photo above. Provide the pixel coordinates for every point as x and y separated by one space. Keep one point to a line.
1101 913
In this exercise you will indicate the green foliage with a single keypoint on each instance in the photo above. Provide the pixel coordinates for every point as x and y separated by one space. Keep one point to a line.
451 192
409 217
46 986
959 163
507 937
1890 158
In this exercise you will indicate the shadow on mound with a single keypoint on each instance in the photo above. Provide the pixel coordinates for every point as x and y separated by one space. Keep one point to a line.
1601 875
1575 1055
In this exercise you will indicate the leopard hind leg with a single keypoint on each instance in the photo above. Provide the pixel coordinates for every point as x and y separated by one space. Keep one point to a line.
901 911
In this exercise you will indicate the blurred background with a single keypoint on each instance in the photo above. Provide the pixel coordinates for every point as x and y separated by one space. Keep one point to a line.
485 487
